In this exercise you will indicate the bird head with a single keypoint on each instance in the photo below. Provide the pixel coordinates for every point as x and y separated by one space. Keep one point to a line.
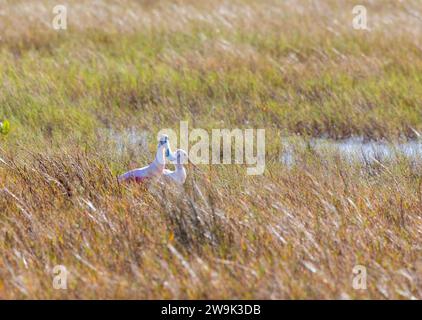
164 139
180 156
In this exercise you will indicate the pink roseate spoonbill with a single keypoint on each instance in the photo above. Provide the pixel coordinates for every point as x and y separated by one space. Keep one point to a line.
153 170
179 158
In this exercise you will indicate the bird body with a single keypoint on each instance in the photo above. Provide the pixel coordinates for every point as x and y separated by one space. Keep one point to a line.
153 170
179 174
157 167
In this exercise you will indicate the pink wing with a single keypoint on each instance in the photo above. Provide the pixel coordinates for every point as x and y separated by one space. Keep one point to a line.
137 175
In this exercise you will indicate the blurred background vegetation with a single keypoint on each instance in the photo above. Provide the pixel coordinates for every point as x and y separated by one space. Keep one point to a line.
298 67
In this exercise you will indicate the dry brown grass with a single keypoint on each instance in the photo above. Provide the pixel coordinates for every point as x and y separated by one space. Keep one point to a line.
294 233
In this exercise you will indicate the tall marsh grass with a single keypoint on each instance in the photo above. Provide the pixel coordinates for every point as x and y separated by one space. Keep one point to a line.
293 233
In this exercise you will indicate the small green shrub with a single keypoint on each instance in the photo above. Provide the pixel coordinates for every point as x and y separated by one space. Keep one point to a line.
4 127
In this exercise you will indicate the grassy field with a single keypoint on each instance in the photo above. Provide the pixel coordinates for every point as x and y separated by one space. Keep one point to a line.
291 67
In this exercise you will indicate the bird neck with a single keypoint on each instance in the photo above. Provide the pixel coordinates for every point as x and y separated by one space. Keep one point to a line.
159 157
181 173
179 166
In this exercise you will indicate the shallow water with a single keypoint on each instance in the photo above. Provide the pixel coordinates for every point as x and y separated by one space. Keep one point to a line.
129 145
352 149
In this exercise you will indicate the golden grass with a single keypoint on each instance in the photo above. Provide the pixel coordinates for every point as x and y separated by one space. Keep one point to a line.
294 233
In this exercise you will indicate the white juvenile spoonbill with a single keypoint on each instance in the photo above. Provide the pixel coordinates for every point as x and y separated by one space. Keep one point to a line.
153 170
178 158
